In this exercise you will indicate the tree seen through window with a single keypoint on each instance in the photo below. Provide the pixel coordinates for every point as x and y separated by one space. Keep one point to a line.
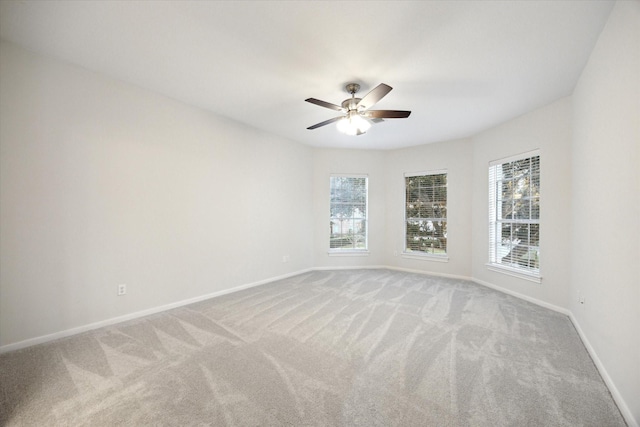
426 213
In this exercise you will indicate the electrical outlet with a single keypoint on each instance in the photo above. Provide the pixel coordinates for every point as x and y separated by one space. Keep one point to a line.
122 290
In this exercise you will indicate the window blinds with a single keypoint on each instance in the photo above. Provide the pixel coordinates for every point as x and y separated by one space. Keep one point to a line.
348 213
514 212
426 213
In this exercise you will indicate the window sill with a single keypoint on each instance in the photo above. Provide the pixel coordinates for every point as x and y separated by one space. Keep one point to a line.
362 252
425 257
532 277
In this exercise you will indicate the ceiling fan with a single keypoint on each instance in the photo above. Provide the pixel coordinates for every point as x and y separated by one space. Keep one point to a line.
358 117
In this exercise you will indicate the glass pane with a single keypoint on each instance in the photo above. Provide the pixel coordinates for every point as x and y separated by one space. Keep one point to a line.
412 210
522 209
506 209
534 258
430 210
521 187
505 233
426 194
535 165
520 256
507 170
535 208
440 194
505 254
535 185
414 234
427 236
520 234
524 256
439 210
534 235
506 190
359 241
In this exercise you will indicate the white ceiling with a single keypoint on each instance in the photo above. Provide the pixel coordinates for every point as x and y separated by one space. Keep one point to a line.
459 66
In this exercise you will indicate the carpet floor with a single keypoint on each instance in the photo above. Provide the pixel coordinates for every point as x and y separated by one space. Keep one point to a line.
325 348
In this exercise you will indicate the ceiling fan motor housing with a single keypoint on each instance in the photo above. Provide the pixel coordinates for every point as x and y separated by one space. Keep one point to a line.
350 103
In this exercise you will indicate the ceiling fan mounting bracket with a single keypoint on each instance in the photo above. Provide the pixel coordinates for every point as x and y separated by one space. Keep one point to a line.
352 88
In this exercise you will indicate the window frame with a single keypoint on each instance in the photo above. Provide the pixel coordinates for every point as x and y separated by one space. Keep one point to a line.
351 251
420 255
494 235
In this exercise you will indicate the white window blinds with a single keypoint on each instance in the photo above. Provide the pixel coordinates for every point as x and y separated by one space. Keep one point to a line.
426 213
514 213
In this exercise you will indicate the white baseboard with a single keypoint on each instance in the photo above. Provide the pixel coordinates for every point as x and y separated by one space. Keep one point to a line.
622 405
112 321
523 297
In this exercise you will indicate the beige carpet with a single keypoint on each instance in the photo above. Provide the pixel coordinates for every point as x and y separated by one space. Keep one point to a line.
335 348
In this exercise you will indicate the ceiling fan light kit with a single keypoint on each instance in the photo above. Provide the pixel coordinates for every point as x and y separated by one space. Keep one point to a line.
353 124
357 114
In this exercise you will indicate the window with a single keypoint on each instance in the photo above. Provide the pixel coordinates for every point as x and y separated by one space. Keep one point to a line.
514 214
348 217
426 213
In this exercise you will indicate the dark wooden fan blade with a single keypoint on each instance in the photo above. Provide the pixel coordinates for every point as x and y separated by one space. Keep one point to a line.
326 122
387 114
325 104
374 96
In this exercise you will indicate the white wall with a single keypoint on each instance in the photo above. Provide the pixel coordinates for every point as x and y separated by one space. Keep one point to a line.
103 183
606 202
547 129
456 158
